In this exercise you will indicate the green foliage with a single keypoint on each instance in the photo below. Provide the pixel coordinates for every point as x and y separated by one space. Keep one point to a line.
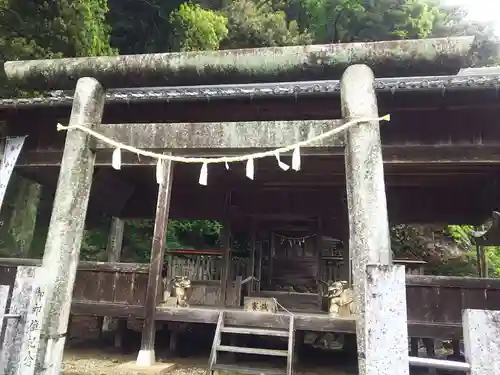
255 23
467 265
69 28
155 25
47 29
461 234
359 20
197 29
196 234
141 26
32 29
93 34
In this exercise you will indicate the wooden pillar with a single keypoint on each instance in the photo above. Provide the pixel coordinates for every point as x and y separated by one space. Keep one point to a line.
414 346
368 221
42 221
64 238
345 269
259 248
113 251
319 259
272 250
226 261
251 266
23 199
146 356
115 239
484 262
121 329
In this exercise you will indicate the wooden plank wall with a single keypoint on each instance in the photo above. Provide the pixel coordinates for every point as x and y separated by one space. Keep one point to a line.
440 299
122 283
122 286
431 299
207 293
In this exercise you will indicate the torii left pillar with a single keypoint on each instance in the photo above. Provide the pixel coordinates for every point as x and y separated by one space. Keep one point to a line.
62 250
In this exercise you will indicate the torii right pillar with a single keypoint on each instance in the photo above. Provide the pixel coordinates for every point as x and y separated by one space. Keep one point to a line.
379 287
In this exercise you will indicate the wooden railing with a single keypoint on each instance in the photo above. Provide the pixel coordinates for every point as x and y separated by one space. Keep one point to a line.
121 284
441 299
205 268
435 303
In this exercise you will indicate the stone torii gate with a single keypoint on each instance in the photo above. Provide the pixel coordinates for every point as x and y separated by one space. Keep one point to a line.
379 285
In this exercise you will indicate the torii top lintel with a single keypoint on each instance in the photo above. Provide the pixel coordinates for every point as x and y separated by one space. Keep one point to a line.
313 62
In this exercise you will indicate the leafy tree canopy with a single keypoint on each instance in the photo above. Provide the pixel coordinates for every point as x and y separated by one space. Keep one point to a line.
31 29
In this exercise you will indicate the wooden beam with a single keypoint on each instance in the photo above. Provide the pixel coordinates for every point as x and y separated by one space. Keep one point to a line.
220 135
146 356
442 154
432 205
469 283
315 322
116 310
82 265
306 322
411 155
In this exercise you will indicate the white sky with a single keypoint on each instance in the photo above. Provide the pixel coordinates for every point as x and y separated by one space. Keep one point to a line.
481 10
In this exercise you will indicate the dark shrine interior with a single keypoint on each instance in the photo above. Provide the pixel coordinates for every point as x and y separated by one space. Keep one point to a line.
440 151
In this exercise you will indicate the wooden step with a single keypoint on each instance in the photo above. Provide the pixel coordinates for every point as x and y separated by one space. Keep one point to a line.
247 370
239 349
255 331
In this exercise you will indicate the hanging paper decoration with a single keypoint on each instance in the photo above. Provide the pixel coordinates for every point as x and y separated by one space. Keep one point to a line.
296 159
203 180
282 165
159 172
116 159
250 169
13 146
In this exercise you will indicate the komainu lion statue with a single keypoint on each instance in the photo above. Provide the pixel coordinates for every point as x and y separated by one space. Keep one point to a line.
176 291
340 299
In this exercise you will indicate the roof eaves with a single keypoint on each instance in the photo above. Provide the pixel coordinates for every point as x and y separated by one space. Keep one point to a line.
264 90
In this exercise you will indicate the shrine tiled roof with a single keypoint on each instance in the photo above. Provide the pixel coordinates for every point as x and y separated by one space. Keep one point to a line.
486 80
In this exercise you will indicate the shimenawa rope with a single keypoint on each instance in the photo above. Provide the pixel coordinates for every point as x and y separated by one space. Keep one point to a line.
224 159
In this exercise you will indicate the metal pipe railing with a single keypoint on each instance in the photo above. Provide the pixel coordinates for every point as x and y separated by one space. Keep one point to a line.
439 364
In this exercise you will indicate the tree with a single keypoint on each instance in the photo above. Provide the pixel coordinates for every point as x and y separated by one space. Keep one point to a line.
32 29
197 29
48 29
452 21
141 26
254 23
340 21
54 28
